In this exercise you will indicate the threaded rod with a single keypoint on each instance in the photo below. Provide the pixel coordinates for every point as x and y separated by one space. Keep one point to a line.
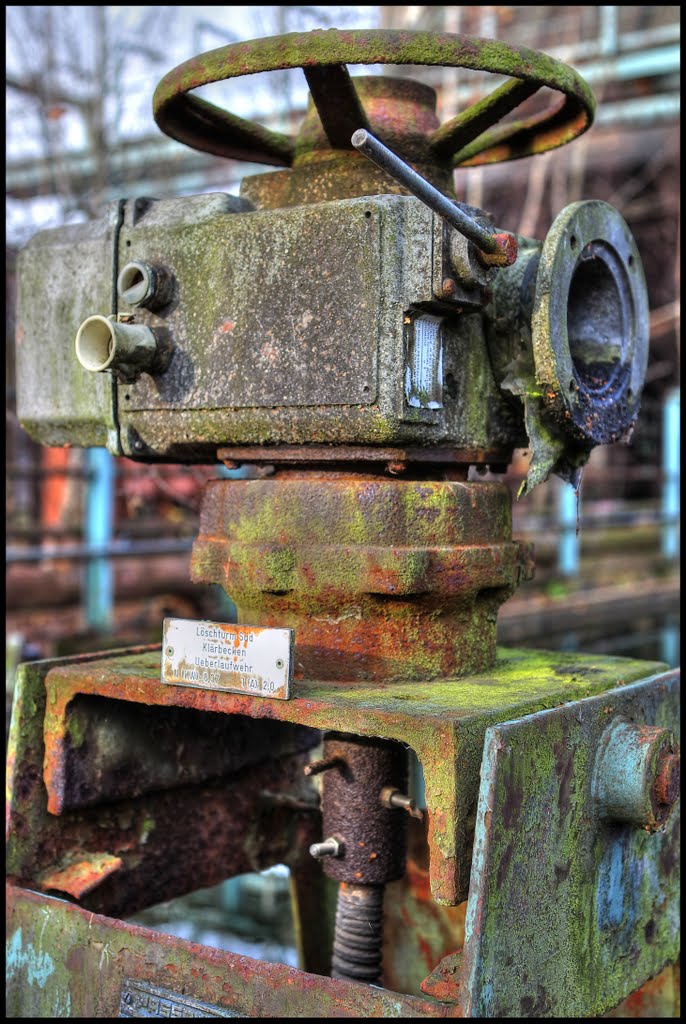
358 936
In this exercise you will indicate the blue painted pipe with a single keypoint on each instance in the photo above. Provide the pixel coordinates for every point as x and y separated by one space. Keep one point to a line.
99 514
568 544
671 446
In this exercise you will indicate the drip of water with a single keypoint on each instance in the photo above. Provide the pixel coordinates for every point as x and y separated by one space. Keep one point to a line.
576 484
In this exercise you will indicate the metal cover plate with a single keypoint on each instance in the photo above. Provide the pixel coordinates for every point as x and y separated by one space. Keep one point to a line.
141 999
598 901
223 656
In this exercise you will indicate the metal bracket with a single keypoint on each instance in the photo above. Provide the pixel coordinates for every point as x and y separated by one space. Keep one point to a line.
569 911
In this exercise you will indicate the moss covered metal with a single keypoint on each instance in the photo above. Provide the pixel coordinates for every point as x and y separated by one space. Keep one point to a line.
65 961
569 910
102 824
380 578
204 126
443 722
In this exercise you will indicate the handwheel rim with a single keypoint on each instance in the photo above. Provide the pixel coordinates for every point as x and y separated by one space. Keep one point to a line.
204 126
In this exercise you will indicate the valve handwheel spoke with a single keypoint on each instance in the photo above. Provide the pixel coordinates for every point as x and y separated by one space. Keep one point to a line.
338 105
473 137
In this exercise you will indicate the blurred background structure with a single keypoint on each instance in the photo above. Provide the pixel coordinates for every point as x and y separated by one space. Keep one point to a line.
98 549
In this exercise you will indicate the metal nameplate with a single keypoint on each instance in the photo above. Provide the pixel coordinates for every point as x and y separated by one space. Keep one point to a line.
141 999
221 656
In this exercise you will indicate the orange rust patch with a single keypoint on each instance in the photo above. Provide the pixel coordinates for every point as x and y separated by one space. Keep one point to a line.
79 878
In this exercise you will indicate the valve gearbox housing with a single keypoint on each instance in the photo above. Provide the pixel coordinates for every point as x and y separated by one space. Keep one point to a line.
324 324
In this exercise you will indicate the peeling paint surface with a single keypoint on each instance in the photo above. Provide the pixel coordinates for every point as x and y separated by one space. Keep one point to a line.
606 891
100 955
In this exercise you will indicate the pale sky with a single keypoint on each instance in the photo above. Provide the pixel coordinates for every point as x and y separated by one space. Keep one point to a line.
138 61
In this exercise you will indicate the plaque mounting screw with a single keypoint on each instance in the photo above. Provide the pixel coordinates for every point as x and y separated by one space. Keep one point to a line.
169 651
279 663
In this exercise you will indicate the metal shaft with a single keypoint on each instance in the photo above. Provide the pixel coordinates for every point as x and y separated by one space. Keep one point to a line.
363 141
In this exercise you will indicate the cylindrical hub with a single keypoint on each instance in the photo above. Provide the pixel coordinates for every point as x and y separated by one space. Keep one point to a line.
379 578
371 836
637 774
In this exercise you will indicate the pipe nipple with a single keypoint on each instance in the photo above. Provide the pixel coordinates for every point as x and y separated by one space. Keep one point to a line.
102 343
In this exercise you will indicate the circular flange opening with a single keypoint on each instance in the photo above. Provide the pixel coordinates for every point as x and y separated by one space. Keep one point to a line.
590 323
596 320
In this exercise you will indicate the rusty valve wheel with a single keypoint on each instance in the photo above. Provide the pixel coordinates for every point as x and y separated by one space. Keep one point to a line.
467 140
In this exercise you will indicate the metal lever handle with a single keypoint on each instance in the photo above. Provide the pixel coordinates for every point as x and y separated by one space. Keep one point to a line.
496 250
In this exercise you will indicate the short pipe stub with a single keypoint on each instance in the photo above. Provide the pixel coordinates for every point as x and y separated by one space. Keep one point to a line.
104 344
144 284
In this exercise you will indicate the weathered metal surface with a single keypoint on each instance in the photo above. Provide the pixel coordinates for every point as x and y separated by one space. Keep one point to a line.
203 126
313 898
315 327
273 320
80 877
443 722
568 335
357 947
337 103
607 891
660 997
63 276
418 931
64 961
372 837
114 751
403 113
636 775
171 841
469 124
312 323
381 579
590 327
141 999
452 213
399 458
222 656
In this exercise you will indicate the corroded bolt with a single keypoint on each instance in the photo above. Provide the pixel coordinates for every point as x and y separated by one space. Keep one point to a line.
448 287
667 785
323 765
329 848
392 797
